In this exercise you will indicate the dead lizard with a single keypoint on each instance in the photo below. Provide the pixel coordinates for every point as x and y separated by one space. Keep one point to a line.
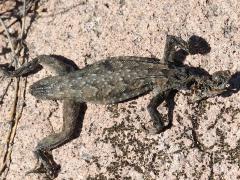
115 80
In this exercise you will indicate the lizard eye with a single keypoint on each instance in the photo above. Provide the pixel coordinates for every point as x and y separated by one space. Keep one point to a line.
221 77
227 85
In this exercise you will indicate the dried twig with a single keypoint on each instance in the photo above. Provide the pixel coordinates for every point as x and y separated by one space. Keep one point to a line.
8 35
19 92
22 28
4 162
5 91
10 42
23 21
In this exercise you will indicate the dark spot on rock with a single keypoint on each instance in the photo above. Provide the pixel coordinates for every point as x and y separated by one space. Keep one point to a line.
106 5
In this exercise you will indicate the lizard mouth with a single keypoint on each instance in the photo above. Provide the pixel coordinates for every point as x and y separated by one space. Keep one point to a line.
208 93
209 89
214 85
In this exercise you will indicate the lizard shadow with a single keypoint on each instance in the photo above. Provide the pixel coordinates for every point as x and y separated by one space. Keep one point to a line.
234 85
80 118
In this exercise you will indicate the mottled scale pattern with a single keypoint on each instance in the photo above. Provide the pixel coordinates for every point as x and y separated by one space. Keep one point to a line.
109 81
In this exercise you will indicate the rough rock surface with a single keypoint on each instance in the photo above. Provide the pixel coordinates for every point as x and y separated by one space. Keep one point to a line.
204 142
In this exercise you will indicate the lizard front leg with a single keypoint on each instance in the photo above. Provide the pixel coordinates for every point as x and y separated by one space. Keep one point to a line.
170 48
195 45
71 118
156 116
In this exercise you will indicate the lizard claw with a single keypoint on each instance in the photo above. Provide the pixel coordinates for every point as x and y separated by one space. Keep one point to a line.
50 170
39 168
154 130
45 164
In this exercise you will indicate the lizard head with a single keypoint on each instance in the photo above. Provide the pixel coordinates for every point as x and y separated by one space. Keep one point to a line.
212 86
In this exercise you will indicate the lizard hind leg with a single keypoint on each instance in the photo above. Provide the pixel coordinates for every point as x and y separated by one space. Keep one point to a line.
72 121
156 117
45 164
73 113
56 64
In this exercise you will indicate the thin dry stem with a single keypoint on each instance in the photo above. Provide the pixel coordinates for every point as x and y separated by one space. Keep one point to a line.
12 117
5 91
10 42
22 28
15 115
23 20
18 115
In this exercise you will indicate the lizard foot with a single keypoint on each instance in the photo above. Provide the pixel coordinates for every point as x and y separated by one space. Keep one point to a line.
45 164
155 130
39 168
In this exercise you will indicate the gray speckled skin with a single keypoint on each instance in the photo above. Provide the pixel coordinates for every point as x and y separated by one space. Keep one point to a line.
114 80
109 81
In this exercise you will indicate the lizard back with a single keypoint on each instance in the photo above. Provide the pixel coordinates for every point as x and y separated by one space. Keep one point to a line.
108 81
